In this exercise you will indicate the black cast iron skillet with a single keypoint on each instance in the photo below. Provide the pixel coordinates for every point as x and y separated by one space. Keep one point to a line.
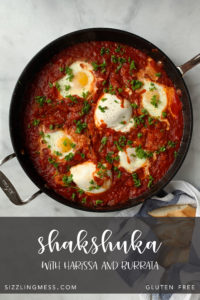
18 104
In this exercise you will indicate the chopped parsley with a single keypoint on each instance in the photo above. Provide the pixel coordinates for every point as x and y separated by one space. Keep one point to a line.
67 87
120 90
171 144
164 114
151 179
155 101
82 154
116 169
57 86
136 180
36 122
162 149
102 109
72 145
41 100
139 135
94 186
150 120
118 49
104 140
72 98
129 142
140 153
136 84
111 90
103 99
57 153
80 126
152 87
86 108
69 72
104 50
103 82
84 200
102 172
158 74
118 68
50 84
53 162
100 165
132 65
175 154
67 179
139 120
120 143
97 202
110 158
69 156
73 196
85 94
101 66
80 191
134 105
103 143
114 59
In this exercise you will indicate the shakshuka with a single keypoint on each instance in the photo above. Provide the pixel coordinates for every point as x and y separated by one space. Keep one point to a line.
103 123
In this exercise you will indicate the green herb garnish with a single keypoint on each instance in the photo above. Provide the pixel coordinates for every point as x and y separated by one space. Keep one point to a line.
171 144
158 74
155 101
102 109
97 202
67 179
151 179
69 156
67 87
80 126
136 180
36 122
132 65
86 108
69 72
136 84
134 105
53 162
152 87
57 86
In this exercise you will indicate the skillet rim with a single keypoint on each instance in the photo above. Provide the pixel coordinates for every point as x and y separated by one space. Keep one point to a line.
50 192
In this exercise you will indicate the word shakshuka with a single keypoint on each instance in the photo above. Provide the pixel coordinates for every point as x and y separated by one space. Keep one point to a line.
103 123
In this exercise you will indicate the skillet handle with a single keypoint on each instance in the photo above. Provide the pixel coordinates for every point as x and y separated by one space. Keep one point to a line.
9 189
189 64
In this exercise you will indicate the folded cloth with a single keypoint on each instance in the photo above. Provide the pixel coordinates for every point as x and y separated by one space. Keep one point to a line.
176 192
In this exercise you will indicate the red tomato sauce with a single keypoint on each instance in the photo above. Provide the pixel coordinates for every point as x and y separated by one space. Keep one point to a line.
160 137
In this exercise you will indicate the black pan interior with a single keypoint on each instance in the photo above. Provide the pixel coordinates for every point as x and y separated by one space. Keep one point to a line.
19 101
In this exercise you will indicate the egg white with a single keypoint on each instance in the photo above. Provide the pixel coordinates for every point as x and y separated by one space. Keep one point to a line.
83 80
83 174
152 89
54 141
129 161
111 111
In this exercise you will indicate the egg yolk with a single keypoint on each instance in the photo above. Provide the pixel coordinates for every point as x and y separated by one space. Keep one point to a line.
64 144
81 78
